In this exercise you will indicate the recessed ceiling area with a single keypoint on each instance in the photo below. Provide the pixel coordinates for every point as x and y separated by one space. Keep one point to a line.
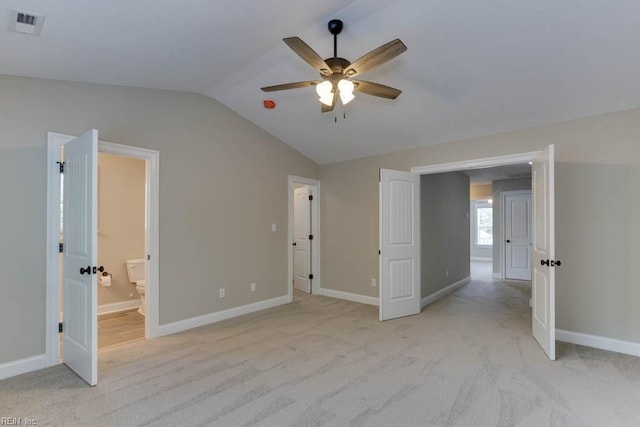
471 68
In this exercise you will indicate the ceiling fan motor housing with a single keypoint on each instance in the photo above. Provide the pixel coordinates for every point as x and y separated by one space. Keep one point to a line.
337 66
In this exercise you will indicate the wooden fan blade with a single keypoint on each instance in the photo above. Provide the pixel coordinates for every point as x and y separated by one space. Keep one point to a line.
376 57
309 55
295 85
329 108
376 89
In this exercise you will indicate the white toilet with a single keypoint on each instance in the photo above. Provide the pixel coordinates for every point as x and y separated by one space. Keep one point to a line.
136 272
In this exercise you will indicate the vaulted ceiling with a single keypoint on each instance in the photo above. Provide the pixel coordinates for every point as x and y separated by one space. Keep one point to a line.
472 68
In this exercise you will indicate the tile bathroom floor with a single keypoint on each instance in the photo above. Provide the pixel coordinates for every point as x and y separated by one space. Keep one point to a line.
119 328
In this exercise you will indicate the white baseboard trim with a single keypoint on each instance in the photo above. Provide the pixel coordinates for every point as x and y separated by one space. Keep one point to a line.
444 292
496 275
118 306
194 322
603 343
22 366
362 299
479 258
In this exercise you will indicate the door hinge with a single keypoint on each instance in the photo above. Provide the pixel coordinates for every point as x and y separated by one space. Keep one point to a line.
310 197
61 164
60 328
310 236
311 277
379 252
60 247
148 257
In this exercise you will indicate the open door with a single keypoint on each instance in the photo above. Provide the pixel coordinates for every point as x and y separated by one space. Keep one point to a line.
543 281
301 242
80 256
399 244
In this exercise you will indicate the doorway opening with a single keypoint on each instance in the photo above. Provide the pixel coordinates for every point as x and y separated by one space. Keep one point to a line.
125 280
304 235
500 219
400 231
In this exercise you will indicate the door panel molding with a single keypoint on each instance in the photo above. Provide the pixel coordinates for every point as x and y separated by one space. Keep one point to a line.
399 260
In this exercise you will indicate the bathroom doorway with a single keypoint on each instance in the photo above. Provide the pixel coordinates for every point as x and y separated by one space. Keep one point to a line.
125 279
121 249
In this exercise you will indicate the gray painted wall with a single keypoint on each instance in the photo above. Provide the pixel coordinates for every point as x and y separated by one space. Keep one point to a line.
498 187
597 216
223 182
444 226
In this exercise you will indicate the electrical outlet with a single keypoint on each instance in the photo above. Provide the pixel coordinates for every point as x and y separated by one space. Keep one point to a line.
446 273
373 282
253 287
221 292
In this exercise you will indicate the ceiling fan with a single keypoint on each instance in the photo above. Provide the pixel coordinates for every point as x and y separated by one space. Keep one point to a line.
337 73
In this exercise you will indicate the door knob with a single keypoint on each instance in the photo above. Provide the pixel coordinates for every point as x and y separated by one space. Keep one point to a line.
295 244
544 262
85 270
508 241
96 269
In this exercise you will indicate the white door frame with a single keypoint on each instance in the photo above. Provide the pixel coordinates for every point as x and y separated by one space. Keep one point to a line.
55 141
314 186
503 227
486 162
480 163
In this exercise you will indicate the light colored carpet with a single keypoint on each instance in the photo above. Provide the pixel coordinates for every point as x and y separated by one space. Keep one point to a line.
467 360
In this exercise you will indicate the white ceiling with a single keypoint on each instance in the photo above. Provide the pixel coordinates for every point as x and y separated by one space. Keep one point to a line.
472 68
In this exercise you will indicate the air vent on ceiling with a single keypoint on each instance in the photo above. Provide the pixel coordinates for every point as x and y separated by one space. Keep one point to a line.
26 22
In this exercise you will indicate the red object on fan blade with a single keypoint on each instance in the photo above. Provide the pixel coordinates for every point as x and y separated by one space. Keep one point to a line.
269 104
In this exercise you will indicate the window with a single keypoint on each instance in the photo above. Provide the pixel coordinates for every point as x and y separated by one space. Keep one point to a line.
484 223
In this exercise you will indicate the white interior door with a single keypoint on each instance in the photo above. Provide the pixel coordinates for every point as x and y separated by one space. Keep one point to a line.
301 242
517 230
80 256
399 244
543 283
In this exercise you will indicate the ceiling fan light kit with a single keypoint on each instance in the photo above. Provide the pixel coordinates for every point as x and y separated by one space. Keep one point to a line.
336 72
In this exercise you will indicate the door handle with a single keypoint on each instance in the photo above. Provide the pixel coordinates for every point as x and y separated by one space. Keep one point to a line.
552 263
85 270
295 244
